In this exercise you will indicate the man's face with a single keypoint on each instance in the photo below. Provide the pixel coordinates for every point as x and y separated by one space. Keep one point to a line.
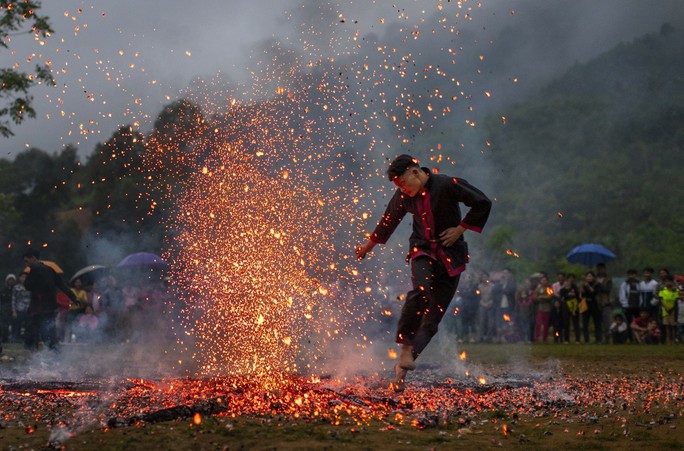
30 260
409 183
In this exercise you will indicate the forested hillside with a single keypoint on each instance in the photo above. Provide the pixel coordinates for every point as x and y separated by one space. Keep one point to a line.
597 156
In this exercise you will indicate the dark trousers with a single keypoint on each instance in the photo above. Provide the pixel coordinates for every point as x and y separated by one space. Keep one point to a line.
593 313
568 318
630 314
17 324
5 321
41 326
426 303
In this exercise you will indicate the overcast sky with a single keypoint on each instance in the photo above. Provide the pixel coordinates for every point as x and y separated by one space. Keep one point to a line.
118 62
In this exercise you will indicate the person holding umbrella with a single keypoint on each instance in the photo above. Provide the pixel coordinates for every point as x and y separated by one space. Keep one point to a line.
589 294
43 283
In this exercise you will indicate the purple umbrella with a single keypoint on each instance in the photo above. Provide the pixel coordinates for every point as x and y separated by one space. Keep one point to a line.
142 259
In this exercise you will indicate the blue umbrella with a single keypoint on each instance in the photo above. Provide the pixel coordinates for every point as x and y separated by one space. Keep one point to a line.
142 259
590 254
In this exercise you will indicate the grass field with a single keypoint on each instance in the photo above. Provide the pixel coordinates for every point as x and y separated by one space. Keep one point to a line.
570 397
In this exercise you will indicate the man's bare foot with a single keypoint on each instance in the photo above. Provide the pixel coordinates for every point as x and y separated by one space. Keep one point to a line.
406 358
399 382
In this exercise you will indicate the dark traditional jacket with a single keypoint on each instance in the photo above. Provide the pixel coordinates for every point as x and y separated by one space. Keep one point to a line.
43 283
434 210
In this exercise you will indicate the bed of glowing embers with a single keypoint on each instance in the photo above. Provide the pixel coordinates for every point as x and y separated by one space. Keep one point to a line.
430 400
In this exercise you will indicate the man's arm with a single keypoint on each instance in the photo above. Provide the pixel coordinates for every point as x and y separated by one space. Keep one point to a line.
362 250
62 286
394 213
451 235
623 296
636 327
476 200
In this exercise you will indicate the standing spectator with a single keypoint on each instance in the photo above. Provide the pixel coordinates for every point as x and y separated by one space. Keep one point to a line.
588 292
668 299
21 299
649 293
488 292
662 272
43 283
75 309
558 284
569 296
680 316
618 329
525 310
645 329
603 297
6 307
453 320
470 306
506 316
543 296
656 310
556 308
630 297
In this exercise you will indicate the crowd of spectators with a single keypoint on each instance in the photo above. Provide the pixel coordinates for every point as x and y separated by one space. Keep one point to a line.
492 308
38 306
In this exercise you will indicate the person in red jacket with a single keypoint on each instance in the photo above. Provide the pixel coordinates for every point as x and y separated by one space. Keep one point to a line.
438 253
645 329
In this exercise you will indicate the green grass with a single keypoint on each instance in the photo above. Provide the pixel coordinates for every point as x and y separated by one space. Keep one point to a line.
507 353
565 428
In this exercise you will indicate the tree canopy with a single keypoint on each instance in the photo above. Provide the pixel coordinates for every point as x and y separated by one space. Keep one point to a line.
17 17
594 157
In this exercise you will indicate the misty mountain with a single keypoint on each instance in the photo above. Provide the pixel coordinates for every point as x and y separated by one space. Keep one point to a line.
596 157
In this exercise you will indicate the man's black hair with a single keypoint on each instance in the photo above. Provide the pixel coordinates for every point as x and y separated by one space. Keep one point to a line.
631 271
30 252
400 165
